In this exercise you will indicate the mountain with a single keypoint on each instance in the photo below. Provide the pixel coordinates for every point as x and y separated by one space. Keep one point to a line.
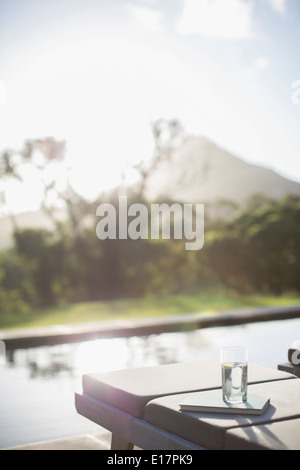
201 172
34 219
198 172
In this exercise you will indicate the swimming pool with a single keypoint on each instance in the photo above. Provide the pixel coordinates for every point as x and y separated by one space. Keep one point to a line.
37 390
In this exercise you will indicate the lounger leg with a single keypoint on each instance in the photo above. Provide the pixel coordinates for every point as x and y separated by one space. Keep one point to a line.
117 443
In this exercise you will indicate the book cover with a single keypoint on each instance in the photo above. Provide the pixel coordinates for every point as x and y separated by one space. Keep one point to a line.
212 402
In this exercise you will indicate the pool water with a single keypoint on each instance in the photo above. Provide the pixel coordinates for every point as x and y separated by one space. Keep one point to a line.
37 389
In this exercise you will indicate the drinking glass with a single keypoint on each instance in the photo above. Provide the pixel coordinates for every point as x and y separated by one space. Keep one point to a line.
234 363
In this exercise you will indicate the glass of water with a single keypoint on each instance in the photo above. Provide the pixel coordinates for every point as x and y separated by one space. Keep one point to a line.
234 362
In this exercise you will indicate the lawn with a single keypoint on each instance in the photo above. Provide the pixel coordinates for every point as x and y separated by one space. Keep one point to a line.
209 303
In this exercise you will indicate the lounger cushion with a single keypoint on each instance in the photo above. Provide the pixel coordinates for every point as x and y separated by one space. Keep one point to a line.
282 435
131 389
209 429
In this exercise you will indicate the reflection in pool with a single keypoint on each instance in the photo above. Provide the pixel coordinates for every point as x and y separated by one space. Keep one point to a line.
37 388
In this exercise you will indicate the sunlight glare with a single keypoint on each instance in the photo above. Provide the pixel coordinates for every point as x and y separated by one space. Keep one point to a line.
101 94
101 355
25 195
2 92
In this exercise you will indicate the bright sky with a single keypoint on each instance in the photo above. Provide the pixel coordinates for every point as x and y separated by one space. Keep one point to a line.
97 72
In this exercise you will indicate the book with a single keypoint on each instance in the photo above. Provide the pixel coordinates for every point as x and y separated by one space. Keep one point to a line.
212 402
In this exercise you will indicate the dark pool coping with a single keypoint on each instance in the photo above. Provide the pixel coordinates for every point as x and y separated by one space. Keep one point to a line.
25 338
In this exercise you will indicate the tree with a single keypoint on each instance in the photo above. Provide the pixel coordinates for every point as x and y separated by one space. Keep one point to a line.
167 136
9 163
259 250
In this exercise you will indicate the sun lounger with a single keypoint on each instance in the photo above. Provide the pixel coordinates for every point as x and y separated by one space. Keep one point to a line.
141 406
293 364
